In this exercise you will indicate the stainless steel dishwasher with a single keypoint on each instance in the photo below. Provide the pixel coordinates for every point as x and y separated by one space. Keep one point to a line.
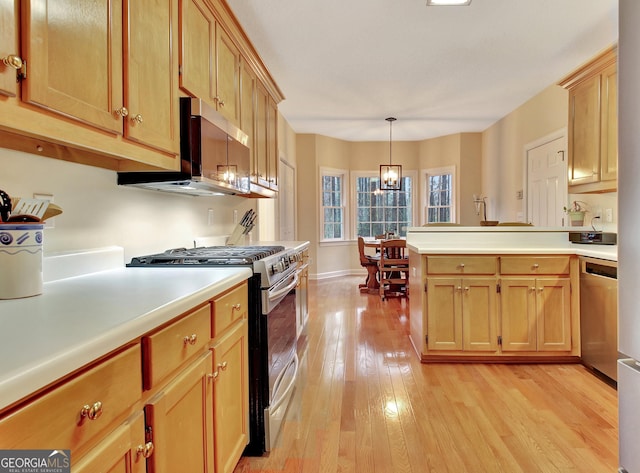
599 315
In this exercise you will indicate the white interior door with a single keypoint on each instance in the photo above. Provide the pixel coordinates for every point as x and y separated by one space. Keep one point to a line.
547 183
287 201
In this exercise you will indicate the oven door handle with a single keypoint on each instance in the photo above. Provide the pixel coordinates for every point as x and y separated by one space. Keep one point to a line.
281 292
276 385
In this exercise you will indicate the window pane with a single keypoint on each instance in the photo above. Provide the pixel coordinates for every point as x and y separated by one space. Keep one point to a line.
378 211
440 198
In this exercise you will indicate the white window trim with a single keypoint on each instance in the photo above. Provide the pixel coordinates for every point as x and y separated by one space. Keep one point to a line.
425 192
354 204
344 173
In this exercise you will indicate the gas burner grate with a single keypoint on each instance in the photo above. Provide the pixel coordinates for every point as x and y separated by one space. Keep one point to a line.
208 256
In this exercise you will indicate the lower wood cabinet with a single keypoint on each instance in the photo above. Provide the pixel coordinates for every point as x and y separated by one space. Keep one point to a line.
536 314
180 420
479 307
462 314
192 415
231 397
122 451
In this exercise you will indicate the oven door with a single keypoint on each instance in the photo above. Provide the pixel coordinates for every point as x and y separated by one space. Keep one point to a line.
282 357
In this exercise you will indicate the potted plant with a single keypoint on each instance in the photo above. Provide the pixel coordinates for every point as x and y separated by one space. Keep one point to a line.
576 213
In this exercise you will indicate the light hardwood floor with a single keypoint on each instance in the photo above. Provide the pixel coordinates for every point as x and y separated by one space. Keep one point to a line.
365 404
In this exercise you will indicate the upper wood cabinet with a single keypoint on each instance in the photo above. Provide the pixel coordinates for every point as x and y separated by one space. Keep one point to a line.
9 47
209 60
89 62
593 125
75 59
266 143
247 106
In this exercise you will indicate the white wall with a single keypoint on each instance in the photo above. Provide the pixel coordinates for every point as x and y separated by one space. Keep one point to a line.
97 212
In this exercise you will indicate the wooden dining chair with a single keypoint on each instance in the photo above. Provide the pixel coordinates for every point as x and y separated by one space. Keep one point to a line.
393 268
370 263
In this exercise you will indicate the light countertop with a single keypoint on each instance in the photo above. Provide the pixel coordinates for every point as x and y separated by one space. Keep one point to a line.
502 240
79 319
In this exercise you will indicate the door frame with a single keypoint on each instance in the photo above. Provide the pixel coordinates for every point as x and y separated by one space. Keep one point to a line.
561 133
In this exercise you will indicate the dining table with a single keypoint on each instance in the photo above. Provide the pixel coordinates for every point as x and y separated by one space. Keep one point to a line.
372 282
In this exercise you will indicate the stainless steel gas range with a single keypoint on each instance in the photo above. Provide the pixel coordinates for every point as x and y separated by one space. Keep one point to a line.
277 311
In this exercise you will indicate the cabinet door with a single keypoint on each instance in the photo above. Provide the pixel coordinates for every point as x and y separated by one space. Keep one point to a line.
272 144
180 419
553 303
479 314
197 50
260 175
584 132
74 52
609 148
231 397
151 74
9 45
519 328
227 76
247 104
444 314
122 451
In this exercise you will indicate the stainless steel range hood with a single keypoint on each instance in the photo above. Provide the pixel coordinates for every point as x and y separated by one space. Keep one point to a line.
214 158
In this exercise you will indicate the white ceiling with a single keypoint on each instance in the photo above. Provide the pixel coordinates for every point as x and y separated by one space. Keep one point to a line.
346 65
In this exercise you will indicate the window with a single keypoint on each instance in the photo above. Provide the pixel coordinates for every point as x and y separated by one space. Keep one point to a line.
440 195
379 211
333 204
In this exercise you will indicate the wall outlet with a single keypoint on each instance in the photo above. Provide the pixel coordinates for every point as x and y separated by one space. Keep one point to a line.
608 215
210 220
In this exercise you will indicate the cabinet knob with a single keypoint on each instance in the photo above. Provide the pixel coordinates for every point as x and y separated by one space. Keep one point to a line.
122 111
221 102
540 289
461 266
191 340
466 288
459 288
13 61
222 366
137 119
236 307
214 375
533 288
91 411
145 450
536 266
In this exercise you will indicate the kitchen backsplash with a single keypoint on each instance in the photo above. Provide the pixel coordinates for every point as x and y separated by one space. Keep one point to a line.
599 204
98 213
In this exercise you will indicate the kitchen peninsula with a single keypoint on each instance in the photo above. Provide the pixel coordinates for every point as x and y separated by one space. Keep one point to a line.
504 293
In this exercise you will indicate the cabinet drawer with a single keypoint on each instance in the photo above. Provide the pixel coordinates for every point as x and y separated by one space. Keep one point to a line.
228 309
167 349
534 264
461 264
59 420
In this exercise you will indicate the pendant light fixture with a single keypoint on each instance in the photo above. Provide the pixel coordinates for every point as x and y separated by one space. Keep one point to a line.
391 174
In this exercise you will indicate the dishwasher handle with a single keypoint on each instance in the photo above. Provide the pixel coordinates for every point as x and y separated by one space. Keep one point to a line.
603 270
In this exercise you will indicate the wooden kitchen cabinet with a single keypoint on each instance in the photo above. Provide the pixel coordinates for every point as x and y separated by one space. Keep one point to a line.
462 314
593 125
536 303
487 307
231 375
247 106
120 76
9 47
122 451
180 420
209 60
461 311
79 412
231 397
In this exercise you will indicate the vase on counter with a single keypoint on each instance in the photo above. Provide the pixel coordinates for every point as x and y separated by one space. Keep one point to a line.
576 218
